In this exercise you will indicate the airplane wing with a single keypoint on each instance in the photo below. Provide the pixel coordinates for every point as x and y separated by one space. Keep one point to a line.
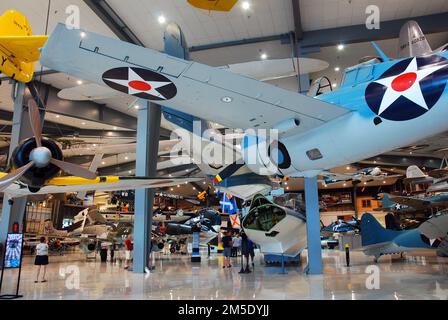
410 201
438 173
103 183
263 70
230 99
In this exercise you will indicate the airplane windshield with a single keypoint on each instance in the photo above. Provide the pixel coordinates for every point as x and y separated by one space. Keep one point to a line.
264 217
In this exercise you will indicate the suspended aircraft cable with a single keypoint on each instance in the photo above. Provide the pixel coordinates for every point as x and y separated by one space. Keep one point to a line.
47 20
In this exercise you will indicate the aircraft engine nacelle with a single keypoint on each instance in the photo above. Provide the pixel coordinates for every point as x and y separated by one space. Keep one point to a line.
35 177
265 157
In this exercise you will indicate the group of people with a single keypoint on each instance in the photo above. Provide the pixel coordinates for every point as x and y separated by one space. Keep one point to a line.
232 246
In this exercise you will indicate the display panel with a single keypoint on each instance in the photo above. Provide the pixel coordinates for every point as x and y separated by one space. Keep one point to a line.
13 253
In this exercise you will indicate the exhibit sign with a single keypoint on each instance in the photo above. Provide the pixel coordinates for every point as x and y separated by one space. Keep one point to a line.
13 251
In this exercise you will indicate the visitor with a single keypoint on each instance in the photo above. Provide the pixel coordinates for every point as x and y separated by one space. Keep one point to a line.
247 249
237 244
227 244
128 253
41 259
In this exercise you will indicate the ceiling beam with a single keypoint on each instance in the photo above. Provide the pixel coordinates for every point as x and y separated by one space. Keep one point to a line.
297 19
359 33
108 15
284 37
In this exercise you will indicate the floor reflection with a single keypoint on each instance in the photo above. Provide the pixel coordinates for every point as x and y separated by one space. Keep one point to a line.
418 276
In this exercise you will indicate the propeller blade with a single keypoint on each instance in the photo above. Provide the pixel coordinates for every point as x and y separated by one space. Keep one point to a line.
74 169
9 179
227 172
36 124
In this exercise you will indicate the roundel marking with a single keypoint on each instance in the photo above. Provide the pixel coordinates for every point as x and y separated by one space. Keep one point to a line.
408 89
139 82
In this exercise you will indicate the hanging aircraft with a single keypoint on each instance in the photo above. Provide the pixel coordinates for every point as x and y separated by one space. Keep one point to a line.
37 161
363 175
377 99
378 241
19 48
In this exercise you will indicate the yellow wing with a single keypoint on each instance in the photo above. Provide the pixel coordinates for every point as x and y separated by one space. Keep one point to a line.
22 48
102 183
19 49
213 5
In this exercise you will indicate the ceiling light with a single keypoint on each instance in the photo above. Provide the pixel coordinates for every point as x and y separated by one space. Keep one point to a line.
83 34
115 128
126 158
178 186
79 82
94 144
325 185
109 133
334 85
340 47
263 56
337 69
194 188
203 182
171 189
136 106
384 181
245 5
186 182
170 175
374 161
83 123
161 19
344 184
103 162
130 171
57 116
365 183
348 168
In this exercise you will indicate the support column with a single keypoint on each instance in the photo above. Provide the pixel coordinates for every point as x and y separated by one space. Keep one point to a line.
313 227
148 129
13 211
355 198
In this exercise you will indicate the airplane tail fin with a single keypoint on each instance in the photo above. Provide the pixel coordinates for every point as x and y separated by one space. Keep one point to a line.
373 232
19 49
412 41
386 202
413 172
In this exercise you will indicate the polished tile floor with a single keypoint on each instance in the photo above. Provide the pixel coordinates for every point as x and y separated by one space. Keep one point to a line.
421 275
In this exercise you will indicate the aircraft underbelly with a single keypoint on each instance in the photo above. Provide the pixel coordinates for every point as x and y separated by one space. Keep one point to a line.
290 240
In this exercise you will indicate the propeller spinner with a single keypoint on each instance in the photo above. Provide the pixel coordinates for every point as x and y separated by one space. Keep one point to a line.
41 157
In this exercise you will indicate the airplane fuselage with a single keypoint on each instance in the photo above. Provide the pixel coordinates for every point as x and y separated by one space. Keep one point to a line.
364 133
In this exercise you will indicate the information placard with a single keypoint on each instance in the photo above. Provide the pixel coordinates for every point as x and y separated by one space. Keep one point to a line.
13 253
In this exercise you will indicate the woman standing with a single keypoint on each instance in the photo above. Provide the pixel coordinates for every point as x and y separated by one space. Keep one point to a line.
41 259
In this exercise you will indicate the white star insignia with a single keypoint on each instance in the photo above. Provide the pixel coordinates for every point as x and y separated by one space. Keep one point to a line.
406 84
137 84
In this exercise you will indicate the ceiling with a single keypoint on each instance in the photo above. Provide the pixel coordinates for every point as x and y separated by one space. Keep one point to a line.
264 18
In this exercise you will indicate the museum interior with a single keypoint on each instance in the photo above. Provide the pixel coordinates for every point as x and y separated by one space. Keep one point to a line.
180 150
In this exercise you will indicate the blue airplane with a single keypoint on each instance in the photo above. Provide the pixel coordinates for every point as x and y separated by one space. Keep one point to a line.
380 105
378 241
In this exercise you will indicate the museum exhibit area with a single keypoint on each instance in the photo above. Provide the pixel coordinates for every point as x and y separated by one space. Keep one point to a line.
241 150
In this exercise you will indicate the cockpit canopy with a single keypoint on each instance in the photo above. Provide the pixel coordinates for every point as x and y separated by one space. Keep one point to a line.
360 73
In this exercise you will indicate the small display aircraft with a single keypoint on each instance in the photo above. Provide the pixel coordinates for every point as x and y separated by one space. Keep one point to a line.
276 229
378 241
363 175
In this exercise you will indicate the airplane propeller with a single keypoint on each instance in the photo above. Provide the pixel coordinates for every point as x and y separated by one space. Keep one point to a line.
40 156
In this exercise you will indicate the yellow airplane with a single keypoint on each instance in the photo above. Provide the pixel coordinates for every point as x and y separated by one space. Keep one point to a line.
213 5
19 49
36 163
